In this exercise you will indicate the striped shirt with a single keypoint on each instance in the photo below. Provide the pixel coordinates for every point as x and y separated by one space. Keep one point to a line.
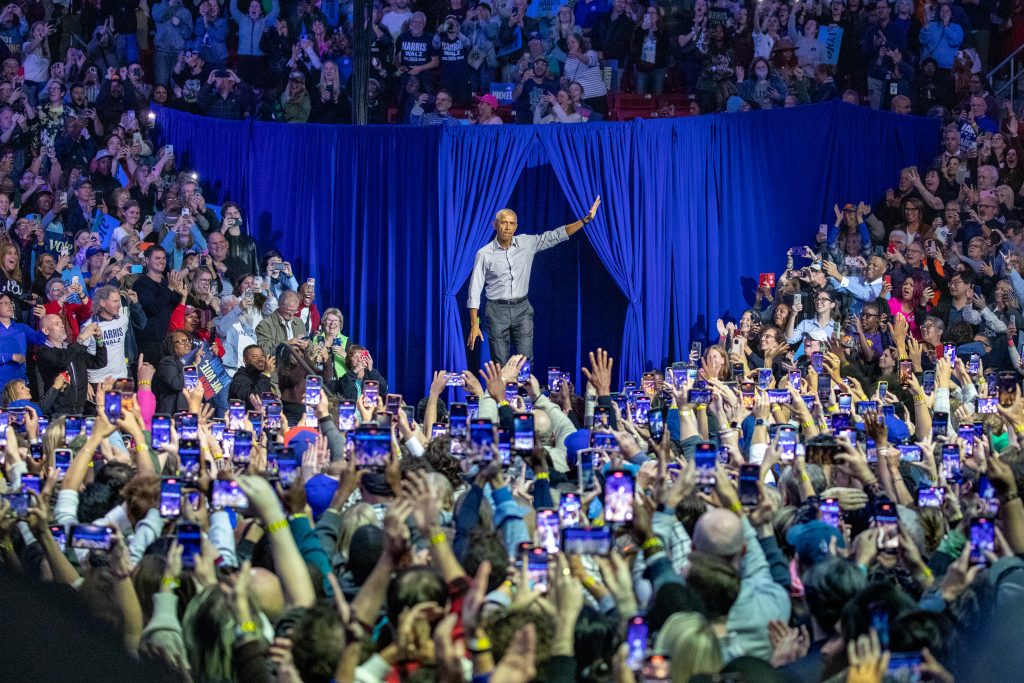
590 77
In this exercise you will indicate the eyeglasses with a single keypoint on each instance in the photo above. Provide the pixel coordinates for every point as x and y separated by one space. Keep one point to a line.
865 314
823 299
182 341
987 206
911 208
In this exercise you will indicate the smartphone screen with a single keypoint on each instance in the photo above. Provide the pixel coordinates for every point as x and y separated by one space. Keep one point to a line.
656 425
787 444
927 381
187 425
161 430
586 470
112 405
522 432
60 535
643 409
537 569
750 494
636 638
940 423
505 446
618 497
347 416
372 445
829 509
371 390
190 538
779 396
930 496
569 510
887 521
457 420
594 540
393 404
983 539
242 447
170 497
879 615
72 426
951 462
481 435
511 390
287 469
236 415
988 405
910 452
906 372
824 388
256 420
1007 388
883 389
273 415
554 379
313 385
91 537
62 460
548 530
191 377
228 494
188 454
974 364
816 361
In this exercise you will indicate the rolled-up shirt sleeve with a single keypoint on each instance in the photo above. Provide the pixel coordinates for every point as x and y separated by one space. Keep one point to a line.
476 282
551 238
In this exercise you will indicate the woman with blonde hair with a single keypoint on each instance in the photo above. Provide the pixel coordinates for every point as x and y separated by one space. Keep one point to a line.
689 642
329 101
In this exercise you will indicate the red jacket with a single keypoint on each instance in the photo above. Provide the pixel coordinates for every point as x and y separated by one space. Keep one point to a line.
74 314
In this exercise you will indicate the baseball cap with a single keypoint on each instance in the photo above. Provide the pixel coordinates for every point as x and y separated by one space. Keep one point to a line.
82 182
849 207
488 99
102 154
297 76
811 540
534 35
319 491
92 251
300 438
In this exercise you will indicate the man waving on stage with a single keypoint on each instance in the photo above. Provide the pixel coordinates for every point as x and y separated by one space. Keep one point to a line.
502 271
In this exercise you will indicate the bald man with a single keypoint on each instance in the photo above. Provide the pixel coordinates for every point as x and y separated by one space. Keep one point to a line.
57 357
726 535
501 270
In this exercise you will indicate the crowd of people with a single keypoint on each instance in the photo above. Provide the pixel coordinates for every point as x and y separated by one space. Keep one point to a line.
449 62
199 463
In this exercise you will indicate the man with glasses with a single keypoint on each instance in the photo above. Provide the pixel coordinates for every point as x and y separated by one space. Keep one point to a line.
283 326
442 115
73 315
956 304
862 288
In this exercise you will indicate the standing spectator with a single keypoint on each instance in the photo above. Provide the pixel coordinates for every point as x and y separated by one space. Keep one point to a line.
78 358
612 37
14 340
124 17
251 27
452 47
396 19
587 13
36 59
330 101
765 89
240 246
650 53
73 315
225 96
482 28
529 92
173 32
210 35
118 319
157 301
415 54
584 67
941 37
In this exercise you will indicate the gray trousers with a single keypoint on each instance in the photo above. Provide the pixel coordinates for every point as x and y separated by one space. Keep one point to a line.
508 325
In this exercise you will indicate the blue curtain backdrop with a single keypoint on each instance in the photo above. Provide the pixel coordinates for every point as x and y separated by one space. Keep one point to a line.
387 218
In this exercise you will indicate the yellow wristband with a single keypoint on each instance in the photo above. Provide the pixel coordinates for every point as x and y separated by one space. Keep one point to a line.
298 515
1018 430
808 424
502 403
927 572
438 538
700 406
652 542
804 476
736 506
247 627
589 581
542 475
170 581
274 527
145 383
479 645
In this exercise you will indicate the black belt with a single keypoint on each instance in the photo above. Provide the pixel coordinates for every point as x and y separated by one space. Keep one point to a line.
509 302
